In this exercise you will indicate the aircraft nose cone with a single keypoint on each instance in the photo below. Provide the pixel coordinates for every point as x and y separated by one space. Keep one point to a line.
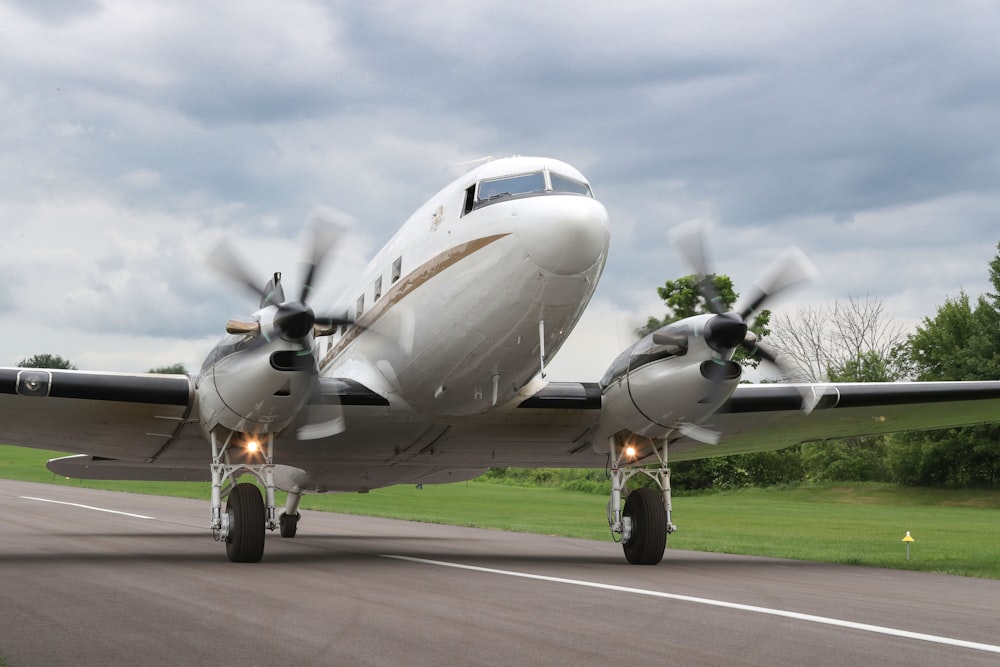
568 234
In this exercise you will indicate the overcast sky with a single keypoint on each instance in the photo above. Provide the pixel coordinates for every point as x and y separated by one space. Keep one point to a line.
134 134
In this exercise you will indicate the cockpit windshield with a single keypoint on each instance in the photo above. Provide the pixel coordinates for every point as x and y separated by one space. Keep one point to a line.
537 183
510 186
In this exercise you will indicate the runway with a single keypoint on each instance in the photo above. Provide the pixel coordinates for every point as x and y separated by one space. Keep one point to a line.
97 578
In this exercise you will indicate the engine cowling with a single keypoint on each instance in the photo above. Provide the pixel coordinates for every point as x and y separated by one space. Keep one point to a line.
667 379
254 386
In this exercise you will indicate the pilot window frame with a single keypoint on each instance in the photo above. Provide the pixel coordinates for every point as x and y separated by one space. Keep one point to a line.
551 183
494 197
581 188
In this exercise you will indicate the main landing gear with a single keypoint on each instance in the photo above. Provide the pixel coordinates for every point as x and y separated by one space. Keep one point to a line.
247 515
645 523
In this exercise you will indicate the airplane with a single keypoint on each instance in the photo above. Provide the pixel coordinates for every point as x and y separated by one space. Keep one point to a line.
432 370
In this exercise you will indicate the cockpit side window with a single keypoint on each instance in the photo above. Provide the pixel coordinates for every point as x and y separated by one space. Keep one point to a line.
562 184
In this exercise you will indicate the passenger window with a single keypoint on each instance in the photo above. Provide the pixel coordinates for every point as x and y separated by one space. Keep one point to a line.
361 306
378 289
397 269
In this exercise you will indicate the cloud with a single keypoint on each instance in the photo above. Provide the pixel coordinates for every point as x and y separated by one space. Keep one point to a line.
136 134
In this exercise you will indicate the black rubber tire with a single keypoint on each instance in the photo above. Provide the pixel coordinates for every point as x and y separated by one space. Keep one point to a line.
245 507
288 524
648 540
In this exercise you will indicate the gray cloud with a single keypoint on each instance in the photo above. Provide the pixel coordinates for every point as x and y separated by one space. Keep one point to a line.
864 133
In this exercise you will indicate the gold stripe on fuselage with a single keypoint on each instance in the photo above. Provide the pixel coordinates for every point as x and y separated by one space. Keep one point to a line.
412 281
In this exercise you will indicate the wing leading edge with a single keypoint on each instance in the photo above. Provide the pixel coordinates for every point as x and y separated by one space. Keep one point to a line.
138 417
769 416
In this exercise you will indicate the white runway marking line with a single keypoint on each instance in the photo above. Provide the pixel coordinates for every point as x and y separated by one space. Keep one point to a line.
86 507
990 648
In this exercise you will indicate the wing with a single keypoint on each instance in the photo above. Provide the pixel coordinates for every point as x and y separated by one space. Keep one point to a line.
145 418
144 426
769 416
560 426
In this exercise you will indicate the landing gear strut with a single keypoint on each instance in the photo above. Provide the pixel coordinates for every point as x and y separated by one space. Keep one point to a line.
644 525
246 517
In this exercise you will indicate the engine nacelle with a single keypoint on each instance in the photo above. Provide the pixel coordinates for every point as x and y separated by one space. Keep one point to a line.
255 386
654 387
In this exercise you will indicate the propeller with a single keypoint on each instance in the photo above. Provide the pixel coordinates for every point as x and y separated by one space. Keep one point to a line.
295 319
727 331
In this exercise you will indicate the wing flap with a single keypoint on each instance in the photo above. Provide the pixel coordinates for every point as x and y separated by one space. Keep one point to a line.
84 466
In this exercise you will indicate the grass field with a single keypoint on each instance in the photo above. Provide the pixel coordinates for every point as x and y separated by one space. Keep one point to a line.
858 524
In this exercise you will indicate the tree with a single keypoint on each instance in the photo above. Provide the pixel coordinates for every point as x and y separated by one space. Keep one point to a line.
960 342
860 459
173 369
843 342
852 341
46 361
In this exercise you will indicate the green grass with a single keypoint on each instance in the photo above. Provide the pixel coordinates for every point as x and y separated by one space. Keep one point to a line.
856 524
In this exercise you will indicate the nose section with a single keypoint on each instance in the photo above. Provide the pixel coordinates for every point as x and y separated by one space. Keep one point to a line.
565 235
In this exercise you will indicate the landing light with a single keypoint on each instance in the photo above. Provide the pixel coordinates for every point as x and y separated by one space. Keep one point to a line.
630 451
253 446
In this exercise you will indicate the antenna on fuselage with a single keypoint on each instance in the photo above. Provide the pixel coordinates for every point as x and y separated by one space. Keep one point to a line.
478 160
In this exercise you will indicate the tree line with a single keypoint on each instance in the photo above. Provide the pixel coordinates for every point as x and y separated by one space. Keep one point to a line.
57 362
854 341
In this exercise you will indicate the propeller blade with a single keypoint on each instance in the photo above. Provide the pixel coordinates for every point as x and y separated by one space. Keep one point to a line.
325 236
322 421
717 372
810 395
238 327
787 270
333 320
323 418
689 241
672 334
699 433
224 260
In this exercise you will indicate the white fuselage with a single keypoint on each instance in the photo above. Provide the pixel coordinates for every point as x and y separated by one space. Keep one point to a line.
478 289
